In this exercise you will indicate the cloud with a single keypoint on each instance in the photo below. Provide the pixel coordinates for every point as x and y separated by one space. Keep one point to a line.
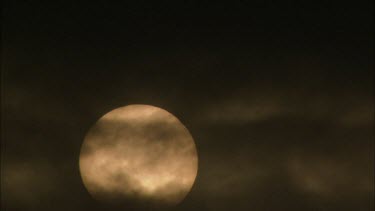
241 112
28 183
329 177
252 107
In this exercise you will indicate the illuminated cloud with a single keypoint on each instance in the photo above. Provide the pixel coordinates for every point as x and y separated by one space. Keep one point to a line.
329 177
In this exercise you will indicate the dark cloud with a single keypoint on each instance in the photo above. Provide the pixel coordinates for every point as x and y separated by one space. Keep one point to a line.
278 98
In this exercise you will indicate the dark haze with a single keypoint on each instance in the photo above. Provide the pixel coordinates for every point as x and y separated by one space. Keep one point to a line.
278 97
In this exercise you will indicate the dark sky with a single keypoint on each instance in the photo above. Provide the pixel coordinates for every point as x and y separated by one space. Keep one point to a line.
277 95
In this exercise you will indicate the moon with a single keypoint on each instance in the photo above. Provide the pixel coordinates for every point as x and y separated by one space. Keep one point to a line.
138 154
